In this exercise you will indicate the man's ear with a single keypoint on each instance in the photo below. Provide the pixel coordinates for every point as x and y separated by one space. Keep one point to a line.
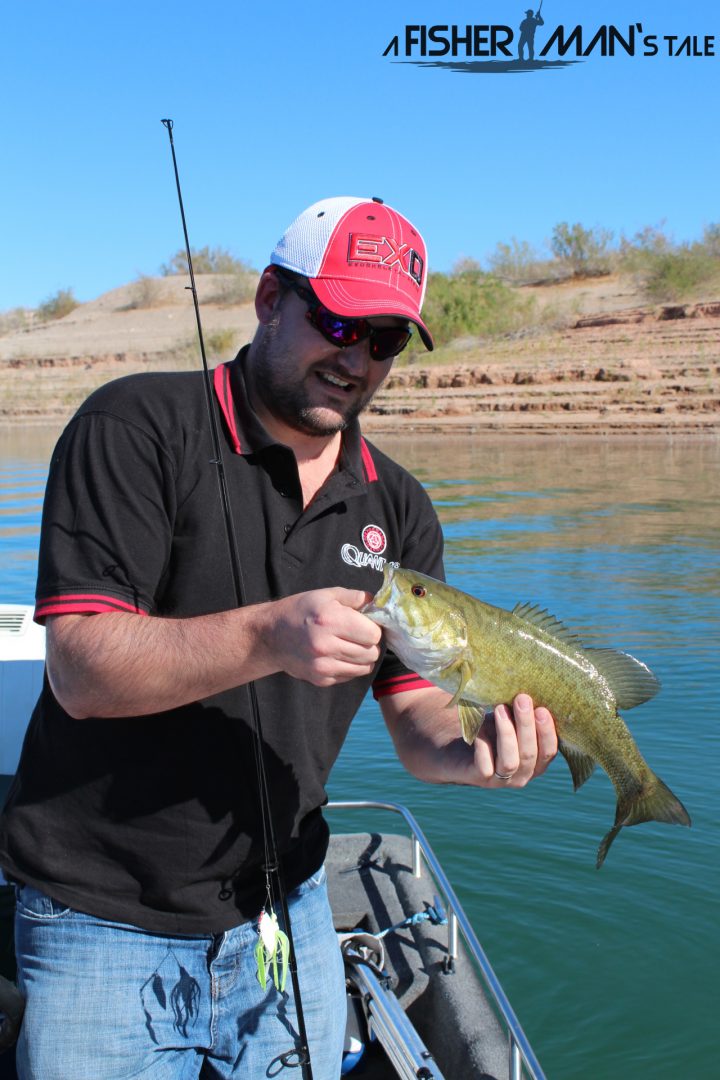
267 295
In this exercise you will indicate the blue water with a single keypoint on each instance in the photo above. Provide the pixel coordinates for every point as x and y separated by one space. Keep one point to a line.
613 974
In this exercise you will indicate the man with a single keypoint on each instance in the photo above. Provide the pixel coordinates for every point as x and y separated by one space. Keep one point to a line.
134 826
527 33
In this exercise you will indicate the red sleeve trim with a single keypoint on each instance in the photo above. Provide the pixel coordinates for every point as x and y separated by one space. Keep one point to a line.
82 604
221 382
368 463
398 685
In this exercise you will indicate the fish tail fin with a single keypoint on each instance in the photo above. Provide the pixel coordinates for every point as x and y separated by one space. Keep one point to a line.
653 802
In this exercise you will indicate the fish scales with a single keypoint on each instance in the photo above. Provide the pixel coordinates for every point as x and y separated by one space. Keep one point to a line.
484 655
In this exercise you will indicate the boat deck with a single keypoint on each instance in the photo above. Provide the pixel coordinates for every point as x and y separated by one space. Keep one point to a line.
372 887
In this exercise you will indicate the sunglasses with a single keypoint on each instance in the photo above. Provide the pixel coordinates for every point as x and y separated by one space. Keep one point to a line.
385 341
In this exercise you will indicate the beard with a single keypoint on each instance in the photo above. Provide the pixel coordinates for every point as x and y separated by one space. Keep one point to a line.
288 393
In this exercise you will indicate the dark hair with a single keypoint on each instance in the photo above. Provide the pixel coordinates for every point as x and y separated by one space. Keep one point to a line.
287 278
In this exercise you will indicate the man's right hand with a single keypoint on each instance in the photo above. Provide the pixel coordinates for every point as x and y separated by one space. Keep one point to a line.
322 638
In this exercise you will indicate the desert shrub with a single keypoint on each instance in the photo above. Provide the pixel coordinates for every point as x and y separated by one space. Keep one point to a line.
230 289
678 274
471 304
584 251
519 263
466 265
220 344
185 355
14 319
711 239
670 272
637 255
651 239
145 292
206 260
58 305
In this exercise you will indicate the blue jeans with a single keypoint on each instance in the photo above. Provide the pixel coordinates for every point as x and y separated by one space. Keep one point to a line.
108 1001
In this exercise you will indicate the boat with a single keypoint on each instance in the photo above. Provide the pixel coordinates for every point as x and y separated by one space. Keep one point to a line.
423 1000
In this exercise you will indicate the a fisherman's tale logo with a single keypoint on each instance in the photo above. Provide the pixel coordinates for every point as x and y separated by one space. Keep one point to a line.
534 44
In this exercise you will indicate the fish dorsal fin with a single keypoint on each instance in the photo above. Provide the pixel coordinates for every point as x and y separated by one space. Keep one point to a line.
631 681
543 620
580 764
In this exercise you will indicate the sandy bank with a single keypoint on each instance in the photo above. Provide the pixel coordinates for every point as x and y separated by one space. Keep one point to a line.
612 367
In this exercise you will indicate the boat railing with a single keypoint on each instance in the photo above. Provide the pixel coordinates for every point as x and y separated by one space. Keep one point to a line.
523 1064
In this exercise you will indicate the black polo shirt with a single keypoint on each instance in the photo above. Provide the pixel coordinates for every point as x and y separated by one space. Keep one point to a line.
154 820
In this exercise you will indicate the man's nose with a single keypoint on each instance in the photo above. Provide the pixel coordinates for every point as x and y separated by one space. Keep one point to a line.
356 358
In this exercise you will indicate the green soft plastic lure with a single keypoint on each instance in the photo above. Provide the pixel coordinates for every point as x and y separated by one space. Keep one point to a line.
271 942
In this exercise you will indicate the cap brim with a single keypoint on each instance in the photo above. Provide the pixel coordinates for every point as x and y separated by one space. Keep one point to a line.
358 299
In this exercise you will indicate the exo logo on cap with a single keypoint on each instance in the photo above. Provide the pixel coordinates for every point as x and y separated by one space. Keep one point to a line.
371 248
374 539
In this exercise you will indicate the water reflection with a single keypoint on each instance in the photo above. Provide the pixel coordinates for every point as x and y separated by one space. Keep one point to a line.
575 493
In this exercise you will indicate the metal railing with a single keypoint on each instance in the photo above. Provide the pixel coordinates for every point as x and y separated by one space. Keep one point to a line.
522 1060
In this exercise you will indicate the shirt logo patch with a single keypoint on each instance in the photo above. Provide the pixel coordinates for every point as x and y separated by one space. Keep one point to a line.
375 543
374 539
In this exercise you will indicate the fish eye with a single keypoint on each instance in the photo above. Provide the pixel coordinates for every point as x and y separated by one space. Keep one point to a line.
418 590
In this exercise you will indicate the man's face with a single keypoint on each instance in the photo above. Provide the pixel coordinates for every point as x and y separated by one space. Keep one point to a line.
305 381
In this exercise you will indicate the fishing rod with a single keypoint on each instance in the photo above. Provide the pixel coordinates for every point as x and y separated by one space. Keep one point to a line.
300 1055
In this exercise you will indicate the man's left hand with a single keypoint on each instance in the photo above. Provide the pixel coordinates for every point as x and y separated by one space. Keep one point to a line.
514 745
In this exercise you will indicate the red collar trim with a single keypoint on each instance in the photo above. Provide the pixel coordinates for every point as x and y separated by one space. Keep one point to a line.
368 463
221 382
223 391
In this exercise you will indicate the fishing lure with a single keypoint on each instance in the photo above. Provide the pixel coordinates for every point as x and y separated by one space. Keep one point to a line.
271 942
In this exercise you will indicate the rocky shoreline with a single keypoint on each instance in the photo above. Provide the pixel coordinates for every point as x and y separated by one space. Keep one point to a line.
616 370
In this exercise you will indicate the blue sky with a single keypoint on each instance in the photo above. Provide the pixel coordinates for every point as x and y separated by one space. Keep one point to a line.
277 105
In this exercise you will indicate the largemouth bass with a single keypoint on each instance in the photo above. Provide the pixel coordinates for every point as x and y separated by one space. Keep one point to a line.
484 655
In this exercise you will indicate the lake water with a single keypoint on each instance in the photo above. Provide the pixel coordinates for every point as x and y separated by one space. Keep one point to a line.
613 974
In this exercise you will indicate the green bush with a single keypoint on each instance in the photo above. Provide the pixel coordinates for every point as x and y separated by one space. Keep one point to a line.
519 263
670 272
472 304
678 274
58 305
584 251
206 260
711 239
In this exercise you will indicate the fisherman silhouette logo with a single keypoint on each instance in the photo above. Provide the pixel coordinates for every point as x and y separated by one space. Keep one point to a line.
527 32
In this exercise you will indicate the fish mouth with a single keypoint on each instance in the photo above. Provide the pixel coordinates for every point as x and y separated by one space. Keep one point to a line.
382 596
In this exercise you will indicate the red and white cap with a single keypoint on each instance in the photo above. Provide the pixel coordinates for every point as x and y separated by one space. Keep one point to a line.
361 257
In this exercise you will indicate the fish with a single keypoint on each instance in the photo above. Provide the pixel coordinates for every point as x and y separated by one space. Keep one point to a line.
485 655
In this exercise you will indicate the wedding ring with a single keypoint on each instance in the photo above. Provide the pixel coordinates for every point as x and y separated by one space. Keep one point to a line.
501 776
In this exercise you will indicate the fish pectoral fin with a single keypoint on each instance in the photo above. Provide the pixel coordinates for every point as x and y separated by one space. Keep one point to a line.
581 765
631 681
460 668
472 717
